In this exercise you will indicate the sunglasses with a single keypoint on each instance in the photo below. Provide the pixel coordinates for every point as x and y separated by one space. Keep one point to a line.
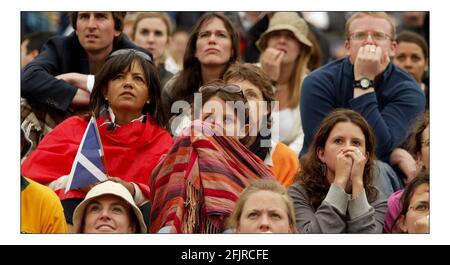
230 88
143 55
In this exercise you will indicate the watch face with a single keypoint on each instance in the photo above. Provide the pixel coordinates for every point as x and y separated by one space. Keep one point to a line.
365 83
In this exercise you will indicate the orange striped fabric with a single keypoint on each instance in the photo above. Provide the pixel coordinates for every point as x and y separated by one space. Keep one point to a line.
194 188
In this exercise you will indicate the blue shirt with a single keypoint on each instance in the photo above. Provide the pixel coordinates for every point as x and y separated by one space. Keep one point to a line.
390 110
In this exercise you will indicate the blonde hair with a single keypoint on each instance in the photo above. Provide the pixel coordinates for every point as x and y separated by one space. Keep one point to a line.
260 185
161 15
383 15
301 69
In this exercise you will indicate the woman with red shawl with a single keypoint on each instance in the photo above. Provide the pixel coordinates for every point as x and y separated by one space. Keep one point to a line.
126 102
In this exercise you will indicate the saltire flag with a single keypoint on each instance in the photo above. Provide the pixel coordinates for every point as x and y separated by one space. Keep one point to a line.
88 167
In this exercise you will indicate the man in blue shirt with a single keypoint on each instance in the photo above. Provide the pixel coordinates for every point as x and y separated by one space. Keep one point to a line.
367 82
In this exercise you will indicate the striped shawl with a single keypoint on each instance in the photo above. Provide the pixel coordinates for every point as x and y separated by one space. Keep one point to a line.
194 188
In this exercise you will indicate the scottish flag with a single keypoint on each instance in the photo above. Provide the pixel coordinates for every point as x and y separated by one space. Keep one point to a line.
88 167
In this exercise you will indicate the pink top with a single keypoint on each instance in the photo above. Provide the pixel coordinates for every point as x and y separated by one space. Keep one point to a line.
393 211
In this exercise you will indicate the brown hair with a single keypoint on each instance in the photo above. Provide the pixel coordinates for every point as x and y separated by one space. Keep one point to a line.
416 140
383 15
313 173
117 16
226 97
133 219
162 15
190 78
256 76
405 200
165 19
116 64
259 185
412 37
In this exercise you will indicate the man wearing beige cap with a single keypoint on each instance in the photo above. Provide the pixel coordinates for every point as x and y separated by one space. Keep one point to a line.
367 82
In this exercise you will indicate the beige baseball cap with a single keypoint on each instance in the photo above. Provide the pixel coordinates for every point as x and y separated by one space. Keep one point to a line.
286 21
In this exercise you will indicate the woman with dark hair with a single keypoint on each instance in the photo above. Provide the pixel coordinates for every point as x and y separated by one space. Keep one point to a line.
58 82
412 56
126 102
212 46
419 149
414 217
334 191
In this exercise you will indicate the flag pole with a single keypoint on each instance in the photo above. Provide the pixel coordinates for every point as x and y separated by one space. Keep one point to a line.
101 145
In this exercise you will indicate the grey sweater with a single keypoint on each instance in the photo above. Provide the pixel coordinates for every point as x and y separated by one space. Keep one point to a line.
338 213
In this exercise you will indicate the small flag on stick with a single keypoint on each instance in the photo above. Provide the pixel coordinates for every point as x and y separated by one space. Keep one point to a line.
88 167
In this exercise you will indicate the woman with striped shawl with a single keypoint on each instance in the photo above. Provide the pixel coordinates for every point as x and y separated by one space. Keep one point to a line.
195 187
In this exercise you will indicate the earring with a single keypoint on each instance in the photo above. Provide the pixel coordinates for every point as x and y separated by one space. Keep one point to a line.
148 102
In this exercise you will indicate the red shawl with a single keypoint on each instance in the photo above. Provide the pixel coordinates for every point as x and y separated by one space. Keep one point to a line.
131 152
195 187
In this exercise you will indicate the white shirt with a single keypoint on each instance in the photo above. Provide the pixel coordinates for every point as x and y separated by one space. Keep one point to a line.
287 128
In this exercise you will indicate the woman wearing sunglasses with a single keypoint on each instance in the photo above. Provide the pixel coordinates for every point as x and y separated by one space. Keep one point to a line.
258 90
224 106
195 187
126 102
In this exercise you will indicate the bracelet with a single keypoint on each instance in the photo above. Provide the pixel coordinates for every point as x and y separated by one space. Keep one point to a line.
90 83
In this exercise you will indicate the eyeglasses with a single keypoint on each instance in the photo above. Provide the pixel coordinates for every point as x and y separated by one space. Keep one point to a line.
421 207
376 36
230 88
143 55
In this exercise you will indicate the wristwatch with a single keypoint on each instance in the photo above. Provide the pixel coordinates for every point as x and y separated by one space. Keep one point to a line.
364 83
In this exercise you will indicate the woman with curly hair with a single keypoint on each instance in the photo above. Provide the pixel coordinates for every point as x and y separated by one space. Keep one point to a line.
334 192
